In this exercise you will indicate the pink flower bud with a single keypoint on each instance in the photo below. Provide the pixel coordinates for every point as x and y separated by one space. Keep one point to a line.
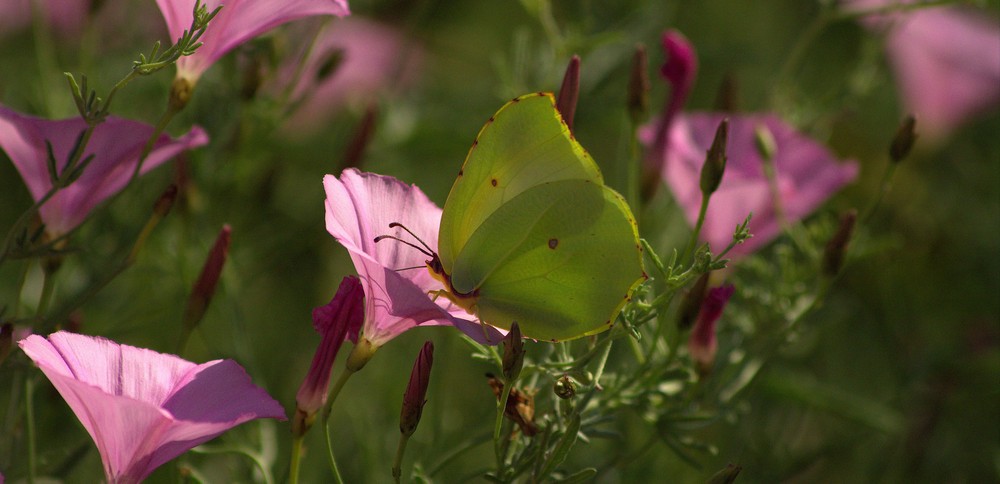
336 321
416 391
703 344
204 288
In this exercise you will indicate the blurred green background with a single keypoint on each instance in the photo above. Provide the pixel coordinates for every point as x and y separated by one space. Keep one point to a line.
896 378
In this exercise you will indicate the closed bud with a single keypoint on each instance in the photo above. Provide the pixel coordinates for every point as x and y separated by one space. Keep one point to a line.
836 248
362 138
513 353
715 160
702 343
902 143
180 94
416 391
570 91
166 201
565 388
691 304
204 287
638 86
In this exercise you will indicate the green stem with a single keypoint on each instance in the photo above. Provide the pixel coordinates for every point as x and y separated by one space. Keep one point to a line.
693 241
45 53
151 142
397 464
884 188
48 283
334 392
30 418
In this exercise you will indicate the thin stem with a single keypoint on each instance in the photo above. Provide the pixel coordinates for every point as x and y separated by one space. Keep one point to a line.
331 397
45 53
151 142
48 283
693 241
884 188
397 464
30 417
293 470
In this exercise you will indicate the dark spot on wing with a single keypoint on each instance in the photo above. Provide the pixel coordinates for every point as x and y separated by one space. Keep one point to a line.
493 181
553 243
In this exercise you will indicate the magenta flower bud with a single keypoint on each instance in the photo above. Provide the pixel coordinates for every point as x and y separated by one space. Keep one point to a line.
703 344
144 408
337 321
204 288
715 160
570 91
416 391
680 70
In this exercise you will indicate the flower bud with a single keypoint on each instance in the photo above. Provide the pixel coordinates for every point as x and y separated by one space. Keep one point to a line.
638 86
703 343
166 201
565 388
836 248
715 160
335 322
204 287
180 93
513 353
416 391
902 143
570 91
362 138
691 304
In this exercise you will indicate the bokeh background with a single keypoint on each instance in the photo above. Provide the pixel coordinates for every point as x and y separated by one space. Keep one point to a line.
895 379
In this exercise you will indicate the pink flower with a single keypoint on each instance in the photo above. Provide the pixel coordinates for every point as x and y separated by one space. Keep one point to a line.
807 174
144 408
238 22
947 65
703 343
367 59
359 207
65 17
115 145
336 322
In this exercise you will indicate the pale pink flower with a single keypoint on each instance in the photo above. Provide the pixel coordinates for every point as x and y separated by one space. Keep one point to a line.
238 22
65 17
359 207
144 408
367 59
806 173
115 144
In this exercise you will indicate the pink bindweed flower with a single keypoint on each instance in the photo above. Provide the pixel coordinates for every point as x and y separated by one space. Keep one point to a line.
65 17
352 62
703 343
336 322
947 64
237 22
806 174
359 207
115 144
144 408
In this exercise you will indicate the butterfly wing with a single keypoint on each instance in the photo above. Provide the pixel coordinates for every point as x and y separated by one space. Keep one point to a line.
561 259
526 143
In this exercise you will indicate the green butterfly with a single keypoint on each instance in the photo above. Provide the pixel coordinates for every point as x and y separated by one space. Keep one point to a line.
531 234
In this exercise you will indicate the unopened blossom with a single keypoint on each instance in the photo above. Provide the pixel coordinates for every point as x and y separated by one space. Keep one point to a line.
336 322
352 63
946 61
805 173
144 408
703 344
204 287
359 207
416 390
237 22
115 145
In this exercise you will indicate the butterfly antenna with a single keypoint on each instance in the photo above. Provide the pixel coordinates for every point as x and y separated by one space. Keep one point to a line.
397 239
397 224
